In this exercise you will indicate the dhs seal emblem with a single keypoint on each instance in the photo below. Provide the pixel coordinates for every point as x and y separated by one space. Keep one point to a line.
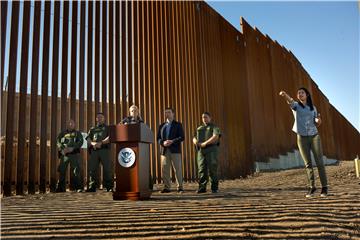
126 157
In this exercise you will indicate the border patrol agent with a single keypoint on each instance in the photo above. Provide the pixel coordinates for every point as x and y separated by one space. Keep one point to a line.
99 149
206 141
69 143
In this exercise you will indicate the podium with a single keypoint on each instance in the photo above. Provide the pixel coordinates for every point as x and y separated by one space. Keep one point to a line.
132 165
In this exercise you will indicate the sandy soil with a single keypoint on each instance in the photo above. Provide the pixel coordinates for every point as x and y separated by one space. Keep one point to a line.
263 206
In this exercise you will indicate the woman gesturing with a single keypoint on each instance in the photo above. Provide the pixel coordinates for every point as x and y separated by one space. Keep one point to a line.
307 119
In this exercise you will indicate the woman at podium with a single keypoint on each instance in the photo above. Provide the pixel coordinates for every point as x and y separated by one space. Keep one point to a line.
134 116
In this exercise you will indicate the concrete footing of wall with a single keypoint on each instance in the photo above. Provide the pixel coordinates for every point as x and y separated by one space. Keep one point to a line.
288 161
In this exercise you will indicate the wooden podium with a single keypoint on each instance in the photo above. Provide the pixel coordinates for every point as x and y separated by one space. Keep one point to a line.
132 167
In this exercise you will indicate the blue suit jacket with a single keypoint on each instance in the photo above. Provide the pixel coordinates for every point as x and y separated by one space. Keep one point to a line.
176 134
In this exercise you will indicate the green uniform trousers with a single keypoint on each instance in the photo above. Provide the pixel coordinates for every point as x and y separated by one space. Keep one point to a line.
313 143
74 160
208 165
103 156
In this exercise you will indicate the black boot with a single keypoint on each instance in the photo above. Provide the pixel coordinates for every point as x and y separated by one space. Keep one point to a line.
311 192
324 192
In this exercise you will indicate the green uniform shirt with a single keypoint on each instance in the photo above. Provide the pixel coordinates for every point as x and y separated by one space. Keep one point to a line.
99 133
204 132
69 138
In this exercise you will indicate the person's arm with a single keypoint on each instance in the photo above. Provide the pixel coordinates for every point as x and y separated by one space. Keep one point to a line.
89 139
317 118
293 104
79 140
180 135
195 141
158 138
214 138
105 140
60 146
286 96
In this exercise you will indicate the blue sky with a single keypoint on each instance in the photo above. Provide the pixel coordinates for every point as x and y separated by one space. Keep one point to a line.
324 36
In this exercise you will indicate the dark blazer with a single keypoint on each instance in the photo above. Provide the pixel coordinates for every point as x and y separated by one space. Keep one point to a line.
176 134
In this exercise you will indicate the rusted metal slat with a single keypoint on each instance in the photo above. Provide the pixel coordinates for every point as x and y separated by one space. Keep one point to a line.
129 59
135 26
195 82
181 76
22 101
82 66
124 105
151 69
247 167
81 124
137 55
191 80
156 78
111 71
165 53
162 87
4 11
117 62
147 71
172 51
182 80
73 110
97 57
104 61
142 64
44 100
73 61
9 139
170 54
33 151
219 118
189 86
89 85
54 99
162 69
206 57
192 87
144 20
64 66
200 55
179 68
111 62
188 78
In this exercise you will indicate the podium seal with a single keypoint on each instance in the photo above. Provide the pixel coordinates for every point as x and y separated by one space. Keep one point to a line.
126 157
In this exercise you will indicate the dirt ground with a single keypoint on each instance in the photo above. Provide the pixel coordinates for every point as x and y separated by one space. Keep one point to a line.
264 206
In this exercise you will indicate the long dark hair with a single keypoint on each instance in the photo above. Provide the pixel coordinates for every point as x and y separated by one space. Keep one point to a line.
308 99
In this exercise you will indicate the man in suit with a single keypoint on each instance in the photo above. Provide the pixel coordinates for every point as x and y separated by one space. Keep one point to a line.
169 136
